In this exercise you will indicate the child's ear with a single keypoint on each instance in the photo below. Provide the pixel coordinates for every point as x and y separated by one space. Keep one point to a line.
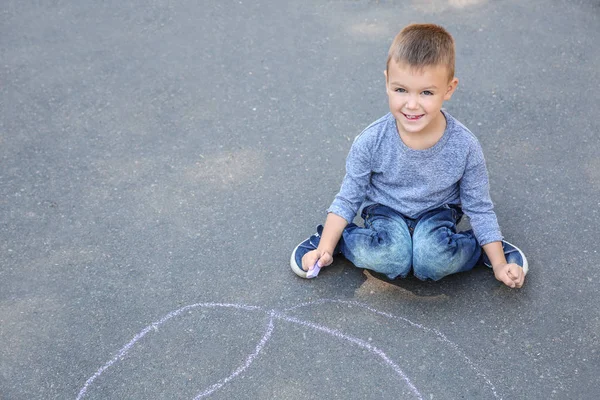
451 88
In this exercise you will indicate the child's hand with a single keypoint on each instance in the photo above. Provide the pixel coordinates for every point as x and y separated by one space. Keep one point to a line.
510 274
310 258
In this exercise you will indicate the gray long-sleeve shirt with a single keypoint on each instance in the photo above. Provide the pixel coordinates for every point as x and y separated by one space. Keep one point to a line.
380 168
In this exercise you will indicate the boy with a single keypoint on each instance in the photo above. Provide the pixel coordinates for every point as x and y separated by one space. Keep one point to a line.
414 171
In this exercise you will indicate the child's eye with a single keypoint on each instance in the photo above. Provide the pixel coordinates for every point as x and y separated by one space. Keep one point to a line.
427 93
400 90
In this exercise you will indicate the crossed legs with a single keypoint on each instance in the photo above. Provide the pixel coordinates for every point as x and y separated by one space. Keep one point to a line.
392 244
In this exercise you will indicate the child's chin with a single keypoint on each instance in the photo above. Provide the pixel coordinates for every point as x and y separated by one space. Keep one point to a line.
414 127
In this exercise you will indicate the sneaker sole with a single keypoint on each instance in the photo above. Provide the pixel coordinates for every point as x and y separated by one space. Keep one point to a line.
298 271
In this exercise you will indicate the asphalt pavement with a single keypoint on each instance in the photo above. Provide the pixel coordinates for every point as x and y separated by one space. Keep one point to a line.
160 160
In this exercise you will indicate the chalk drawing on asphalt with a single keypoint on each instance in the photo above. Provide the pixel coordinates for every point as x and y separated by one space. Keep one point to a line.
275 315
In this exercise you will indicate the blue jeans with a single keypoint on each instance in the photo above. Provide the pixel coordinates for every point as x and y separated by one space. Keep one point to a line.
392 244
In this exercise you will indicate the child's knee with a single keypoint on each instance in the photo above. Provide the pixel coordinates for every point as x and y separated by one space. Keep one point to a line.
391 259
430 270
430 261
433 260
389 254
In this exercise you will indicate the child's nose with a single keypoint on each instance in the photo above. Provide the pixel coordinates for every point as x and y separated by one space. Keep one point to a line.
412 103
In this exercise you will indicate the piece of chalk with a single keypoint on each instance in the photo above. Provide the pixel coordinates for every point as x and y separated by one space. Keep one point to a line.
312 273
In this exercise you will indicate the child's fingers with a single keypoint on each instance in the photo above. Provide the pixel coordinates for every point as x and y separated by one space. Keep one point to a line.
309 260
325 260
509 282
520 284
515 273
510 274
506 279
521 277
513 276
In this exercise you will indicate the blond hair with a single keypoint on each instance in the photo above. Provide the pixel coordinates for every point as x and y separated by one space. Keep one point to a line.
423 45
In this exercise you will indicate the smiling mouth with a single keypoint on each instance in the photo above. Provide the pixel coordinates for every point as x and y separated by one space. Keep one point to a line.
413 117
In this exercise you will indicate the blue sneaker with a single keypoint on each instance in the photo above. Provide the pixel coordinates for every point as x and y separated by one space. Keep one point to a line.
308 245
513 255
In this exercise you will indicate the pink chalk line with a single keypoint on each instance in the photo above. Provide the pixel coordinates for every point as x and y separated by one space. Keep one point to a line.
153 327
241 369
280 316
440 336
358 342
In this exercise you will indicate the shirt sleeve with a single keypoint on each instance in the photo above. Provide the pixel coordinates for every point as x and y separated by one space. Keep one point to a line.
475 198
356 181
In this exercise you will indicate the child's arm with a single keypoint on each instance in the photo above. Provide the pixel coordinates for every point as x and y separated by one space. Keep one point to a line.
510 274
332 232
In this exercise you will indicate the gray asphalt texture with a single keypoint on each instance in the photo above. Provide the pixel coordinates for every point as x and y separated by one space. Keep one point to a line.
163 154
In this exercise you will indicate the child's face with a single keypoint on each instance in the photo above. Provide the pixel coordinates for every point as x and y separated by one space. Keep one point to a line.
416 96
